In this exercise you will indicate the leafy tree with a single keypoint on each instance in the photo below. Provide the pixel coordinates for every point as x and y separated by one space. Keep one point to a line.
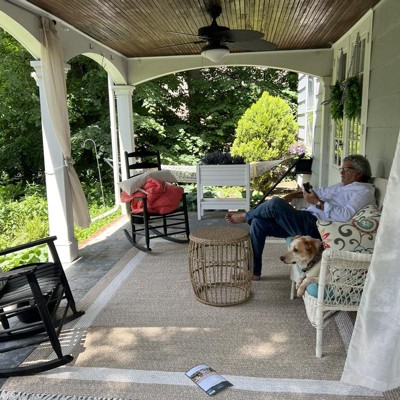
188 114
88 109
21 149
265 131
184 115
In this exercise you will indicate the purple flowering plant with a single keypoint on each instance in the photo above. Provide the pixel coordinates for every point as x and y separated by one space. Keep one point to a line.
298 148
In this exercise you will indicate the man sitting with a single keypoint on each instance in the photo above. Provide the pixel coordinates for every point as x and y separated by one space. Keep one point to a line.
339 202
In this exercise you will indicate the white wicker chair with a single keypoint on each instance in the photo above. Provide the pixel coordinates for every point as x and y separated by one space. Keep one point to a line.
341 279
340 287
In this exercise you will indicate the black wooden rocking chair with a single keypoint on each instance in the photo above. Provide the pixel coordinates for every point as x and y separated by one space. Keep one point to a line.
33 293
146 224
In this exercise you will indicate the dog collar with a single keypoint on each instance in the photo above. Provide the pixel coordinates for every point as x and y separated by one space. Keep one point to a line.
314 260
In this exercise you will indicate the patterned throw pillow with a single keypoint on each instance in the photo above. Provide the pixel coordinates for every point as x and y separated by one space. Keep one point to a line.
357 235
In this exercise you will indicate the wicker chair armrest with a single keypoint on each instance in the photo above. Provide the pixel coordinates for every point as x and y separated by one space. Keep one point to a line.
342 277
343 255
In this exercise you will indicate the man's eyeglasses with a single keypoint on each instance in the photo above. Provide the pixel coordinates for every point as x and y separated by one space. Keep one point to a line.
346 169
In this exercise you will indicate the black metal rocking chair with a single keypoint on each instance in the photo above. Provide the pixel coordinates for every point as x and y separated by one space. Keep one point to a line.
33 293
148 224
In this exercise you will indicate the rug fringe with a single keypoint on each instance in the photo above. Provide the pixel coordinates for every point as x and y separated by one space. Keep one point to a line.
6 395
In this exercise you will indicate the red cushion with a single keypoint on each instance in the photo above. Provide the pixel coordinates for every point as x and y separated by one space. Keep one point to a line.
162 197
169 200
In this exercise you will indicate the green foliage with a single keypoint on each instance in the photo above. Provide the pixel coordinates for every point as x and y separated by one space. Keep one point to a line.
8 190
336 104
184 115
23 221
84 233
89 119
21 149
346 99
28 256
220 158
188 114
352 98
265 131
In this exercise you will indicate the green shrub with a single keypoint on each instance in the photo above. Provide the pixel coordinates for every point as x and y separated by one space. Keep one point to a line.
191 196
23 221
24 218
265 130
84 233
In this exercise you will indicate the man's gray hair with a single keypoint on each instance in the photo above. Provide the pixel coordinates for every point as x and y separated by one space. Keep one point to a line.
360 163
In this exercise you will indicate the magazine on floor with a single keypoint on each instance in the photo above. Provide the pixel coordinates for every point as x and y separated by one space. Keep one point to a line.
207 379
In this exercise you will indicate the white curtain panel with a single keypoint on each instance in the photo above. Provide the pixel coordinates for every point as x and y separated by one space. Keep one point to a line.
56 95
373 359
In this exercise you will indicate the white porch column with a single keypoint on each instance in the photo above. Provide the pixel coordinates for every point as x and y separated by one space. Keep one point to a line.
325 132
125 122
58 189
114 139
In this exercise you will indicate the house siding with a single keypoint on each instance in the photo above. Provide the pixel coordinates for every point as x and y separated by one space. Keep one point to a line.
383 115
302 89
383 123
301 105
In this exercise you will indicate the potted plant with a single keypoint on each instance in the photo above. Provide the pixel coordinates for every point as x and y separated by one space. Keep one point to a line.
303 166
352 98
346 99
221 158
222 169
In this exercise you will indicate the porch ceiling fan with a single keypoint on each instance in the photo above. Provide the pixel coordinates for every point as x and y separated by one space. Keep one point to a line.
220 39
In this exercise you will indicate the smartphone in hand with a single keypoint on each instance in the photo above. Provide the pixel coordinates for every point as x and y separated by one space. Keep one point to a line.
307 187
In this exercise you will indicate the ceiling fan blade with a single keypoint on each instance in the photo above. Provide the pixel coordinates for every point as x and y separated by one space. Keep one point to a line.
180 44
254 45
184 34
240 35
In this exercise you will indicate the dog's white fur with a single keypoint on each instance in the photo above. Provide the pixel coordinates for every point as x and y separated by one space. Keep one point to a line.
302 251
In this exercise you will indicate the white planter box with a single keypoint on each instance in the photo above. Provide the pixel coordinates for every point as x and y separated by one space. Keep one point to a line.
222 175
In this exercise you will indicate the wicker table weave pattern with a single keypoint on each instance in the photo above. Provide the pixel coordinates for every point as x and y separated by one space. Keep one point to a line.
221 265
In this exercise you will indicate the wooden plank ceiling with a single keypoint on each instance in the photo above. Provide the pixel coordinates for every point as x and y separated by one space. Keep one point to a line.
145 28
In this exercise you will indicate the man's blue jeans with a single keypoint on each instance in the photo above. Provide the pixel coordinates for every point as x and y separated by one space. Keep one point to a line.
277 218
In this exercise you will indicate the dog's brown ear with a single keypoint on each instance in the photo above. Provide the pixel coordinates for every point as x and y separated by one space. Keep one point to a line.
309 245
312 245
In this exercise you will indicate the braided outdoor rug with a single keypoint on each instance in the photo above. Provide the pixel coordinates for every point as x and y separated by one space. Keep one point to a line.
143 329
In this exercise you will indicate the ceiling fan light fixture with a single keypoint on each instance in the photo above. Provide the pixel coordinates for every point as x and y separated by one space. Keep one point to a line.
215 53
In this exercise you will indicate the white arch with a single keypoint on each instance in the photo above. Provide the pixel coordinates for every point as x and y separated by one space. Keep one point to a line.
111 69
24 25
311 62
14 28
76 43
32 45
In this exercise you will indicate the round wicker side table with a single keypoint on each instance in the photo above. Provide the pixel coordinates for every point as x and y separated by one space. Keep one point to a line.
221 265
